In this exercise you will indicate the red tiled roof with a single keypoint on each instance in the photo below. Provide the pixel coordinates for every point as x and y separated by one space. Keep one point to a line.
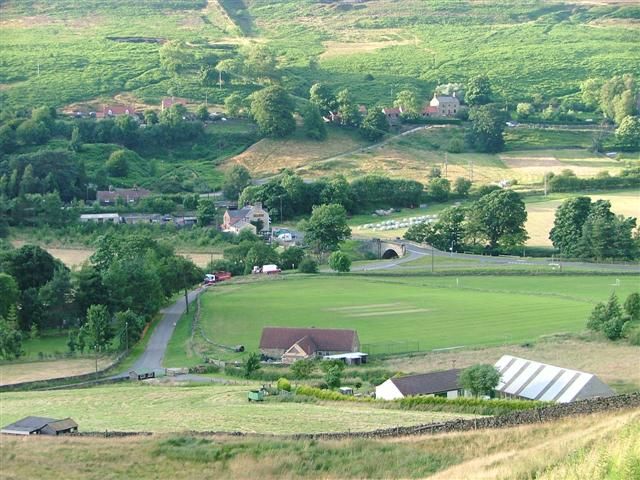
331 340
118 110
392 111
430 109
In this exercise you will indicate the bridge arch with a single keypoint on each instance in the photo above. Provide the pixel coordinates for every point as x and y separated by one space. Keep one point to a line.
390 253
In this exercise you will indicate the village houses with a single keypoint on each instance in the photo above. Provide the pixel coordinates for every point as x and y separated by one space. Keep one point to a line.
251 217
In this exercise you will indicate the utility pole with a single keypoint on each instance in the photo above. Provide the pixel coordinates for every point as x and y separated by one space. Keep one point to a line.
95 347
432 259
126 330
220 79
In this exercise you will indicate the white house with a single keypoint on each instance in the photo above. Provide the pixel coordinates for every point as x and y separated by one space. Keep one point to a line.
435 384
527 379
444 105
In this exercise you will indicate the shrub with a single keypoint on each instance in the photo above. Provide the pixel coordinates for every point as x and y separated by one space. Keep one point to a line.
284 384
308 265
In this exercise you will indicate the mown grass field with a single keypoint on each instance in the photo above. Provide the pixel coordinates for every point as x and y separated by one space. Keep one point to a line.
598 447
162 408
426 313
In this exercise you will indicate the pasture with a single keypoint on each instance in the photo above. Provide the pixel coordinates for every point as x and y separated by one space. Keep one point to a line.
420 313
164 408
599 446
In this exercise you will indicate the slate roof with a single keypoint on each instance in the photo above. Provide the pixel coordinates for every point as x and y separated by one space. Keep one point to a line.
325 339
539 381
29 425
129 194
428 383
237 215
307 344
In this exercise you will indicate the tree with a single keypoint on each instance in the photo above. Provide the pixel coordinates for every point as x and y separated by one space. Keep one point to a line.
327 227
10 336
605 235
118 163
174 116
628 133
251 364
130 327
260 63
499 217
339 262
302 369
151 117
7 139
9 293
347 108
607 318
322 96
126 130
30 266
445 234
614 99
314 126
97 331
337 190
202 113
590 93
524 110
259 254
332 372
480 379
234 104
478 91
409 102
206 212
174 56
487 128
439 189
632 306
284 384
291 257
374 125
31 132
236 179
462 186
624 106
75 144
272 110
567 226
308 265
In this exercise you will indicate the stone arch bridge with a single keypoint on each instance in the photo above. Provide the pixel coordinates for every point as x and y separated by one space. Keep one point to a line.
384 248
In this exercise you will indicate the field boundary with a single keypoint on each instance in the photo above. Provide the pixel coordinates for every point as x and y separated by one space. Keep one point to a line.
514 419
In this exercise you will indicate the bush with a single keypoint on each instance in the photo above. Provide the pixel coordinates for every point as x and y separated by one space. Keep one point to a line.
118 163
284 384
308 265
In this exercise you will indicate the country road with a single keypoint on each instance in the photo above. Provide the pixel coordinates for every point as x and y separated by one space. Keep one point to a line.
153 354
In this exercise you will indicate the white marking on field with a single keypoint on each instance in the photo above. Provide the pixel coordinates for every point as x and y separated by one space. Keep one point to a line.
388 312
363 307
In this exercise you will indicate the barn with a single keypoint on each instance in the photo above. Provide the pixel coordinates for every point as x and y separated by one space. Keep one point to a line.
527 379
41 426
435 384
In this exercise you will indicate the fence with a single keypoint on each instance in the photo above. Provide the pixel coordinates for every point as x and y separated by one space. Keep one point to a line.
389 348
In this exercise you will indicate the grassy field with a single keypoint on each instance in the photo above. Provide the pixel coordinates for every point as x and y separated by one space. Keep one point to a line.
609 442
162 408
18 372
419 313
540 214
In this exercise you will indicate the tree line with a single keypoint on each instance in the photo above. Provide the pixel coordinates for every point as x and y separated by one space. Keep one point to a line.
105 304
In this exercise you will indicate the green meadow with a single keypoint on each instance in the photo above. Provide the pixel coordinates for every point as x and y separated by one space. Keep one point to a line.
423 312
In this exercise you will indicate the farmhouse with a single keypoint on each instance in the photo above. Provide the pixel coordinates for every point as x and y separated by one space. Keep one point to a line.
393 114
526 379
41 426
116 111
129 195
170 102
435 384
235 221
443 106
291 344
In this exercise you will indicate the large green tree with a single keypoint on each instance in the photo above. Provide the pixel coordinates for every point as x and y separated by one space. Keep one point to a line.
340 262
375 125
272 110
236 179
322 96
348 109
314 126
628 133
9 293
567 226
487 128
326 228
480 379
409 102
97 332
499 219
478 91
10 336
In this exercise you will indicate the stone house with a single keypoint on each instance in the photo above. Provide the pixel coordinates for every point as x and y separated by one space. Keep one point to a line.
291 344
235 221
